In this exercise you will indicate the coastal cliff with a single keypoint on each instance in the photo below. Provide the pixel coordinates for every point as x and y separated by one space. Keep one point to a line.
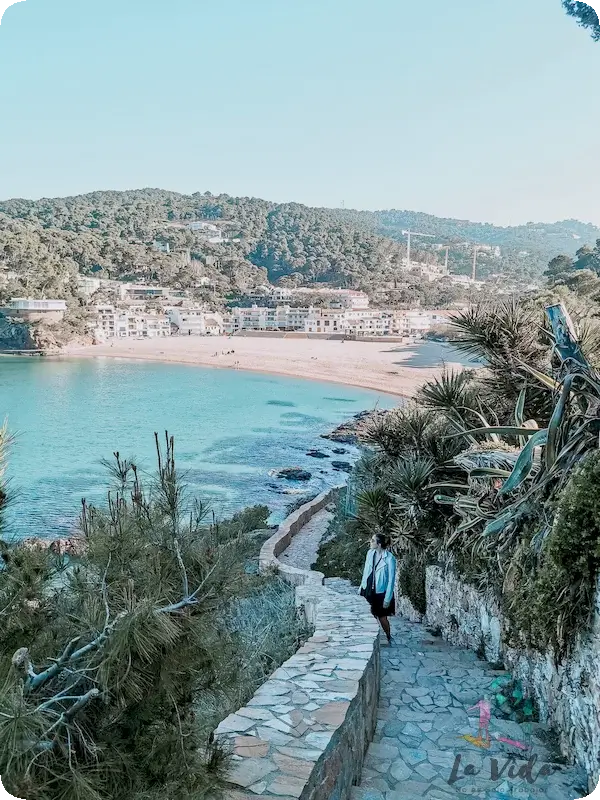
16 335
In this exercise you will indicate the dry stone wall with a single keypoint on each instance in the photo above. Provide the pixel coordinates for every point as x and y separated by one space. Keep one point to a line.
305 732
567 693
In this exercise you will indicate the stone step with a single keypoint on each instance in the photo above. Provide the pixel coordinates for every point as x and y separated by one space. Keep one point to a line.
427 693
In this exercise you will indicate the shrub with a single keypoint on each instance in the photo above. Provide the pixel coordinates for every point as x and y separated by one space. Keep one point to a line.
555 597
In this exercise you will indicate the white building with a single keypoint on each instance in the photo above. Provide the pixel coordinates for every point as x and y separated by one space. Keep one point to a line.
262 318
281 294
340 298
333 321
87 285
161 247
29 304
196 321
372 322
212 233
140 291
118 323
35 310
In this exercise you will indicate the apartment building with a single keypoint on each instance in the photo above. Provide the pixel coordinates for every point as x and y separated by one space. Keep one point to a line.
263 318
372 322
119 323
196 321
339 298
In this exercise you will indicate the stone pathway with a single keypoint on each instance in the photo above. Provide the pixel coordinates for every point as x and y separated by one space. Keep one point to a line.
428 691
302 552
428 687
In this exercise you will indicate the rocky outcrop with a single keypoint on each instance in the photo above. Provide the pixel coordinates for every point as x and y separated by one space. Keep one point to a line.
349 432
72 546
341 466
294 474
15 336
317 454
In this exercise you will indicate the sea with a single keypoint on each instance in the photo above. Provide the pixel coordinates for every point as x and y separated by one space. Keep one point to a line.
233 431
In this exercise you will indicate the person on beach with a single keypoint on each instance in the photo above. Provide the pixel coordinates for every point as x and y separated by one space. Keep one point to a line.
378 581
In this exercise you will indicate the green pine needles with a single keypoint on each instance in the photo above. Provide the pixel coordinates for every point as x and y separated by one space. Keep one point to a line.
116 665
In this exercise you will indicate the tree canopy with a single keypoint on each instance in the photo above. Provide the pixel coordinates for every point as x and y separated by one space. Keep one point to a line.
585 16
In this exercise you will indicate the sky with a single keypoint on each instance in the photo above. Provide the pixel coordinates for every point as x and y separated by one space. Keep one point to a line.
478 110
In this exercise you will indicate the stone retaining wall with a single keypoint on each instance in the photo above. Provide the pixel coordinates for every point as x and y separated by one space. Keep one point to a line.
305 732
567 693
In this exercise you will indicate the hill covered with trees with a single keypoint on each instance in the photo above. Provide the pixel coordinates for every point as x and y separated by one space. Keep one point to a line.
45 243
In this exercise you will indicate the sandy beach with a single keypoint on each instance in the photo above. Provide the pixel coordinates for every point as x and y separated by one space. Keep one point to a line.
381 366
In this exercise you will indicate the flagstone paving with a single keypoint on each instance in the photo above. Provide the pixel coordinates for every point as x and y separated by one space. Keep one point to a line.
428 687
303 549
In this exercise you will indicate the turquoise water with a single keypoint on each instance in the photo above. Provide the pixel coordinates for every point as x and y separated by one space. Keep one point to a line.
231 428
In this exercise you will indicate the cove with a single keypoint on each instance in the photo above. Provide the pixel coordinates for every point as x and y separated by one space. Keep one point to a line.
230 427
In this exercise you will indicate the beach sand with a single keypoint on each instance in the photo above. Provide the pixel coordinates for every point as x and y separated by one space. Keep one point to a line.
381 366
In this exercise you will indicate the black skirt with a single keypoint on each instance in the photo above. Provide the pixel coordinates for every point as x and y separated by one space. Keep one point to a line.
377 608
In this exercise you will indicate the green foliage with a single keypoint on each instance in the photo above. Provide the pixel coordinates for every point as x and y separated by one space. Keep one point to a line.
111 234
343 550
552 595
479 474
116 666
411 579
585 16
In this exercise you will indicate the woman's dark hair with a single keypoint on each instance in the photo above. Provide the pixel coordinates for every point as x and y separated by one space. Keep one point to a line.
382 540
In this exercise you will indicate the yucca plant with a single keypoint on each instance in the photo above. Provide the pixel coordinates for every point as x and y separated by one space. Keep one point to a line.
506 336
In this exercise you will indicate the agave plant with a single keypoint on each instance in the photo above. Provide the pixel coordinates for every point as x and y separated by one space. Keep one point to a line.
571 432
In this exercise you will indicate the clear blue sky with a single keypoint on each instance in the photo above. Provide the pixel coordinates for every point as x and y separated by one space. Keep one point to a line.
480 109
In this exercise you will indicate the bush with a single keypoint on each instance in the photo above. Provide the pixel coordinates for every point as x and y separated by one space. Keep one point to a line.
554 598
411 579
116 667
343 550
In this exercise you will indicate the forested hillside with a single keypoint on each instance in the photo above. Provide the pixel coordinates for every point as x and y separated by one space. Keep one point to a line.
47 242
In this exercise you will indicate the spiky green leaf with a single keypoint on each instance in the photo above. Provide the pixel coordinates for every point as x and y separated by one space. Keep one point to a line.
556 421
489 472
501 430
524 464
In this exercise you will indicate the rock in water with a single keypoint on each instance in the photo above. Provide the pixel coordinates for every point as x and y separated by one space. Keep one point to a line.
348 432
339 451
342 466
317 454
294 474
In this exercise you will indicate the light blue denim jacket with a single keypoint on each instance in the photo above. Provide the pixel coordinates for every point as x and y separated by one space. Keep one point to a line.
385 573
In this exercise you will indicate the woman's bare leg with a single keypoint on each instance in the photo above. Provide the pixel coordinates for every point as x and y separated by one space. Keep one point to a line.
385 624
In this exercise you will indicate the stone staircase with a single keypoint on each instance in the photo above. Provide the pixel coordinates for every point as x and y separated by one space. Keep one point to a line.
428 690
428 687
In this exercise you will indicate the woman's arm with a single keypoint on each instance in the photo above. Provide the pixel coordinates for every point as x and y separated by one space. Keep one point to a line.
389 593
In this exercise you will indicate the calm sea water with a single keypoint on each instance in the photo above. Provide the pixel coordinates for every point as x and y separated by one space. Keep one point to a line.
231 428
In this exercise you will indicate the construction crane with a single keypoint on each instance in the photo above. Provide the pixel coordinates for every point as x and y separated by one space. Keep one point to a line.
408 234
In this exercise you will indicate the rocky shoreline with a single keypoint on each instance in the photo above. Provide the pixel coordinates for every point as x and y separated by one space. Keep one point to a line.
349 432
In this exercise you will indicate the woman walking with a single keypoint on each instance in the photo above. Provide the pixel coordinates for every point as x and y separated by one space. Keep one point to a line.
379 578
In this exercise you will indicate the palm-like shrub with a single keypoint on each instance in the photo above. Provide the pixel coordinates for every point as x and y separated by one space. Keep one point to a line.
475 467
